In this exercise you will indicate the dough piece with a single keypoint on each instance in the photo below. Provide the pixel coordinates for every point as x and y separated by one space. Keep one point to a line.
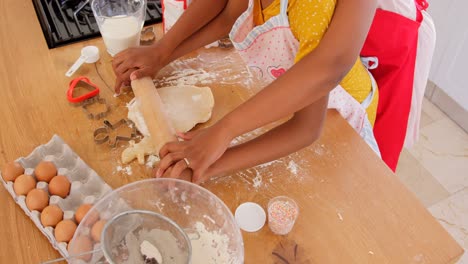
185 106
139 151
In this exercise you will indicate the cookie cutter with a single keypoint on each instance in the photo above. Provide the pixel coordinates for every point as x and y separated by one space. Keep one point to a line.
84 83
102 134
147 36
225 43
95 100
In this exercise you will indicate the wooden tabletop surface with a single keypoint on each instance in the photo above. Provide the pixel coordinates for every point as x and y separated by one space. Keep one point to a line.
353 209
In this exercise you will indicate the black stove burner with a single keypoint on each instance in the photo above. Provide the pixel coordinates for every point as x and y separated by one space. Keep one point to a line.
68 21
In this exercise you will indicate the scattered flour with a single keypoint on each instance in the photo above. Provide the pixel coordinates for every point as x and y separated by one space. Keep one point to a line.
127 169
257 181
151 160
187 77
340 216
292 167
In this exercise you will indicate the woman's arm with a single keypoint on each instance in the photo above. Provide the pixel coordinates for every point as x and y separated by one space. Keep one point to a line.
304 84
314 76
300 131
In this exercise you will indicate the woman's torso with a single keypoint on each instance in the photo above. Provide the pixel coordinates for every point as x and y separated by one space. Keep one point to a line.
309 20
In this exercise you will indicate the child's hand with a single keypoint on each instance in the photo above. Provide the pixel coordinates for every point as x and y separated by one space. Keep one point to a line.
134 63
201 149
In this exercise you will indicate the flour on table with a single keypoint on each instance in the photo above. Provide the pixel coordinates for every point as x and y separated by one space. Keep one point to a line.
292 167
127 169
152 159
182 110
257 181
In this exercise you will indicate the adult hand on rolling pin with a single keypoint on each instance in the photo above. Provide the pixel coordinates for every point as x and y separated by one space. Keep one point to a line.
198 152
138 62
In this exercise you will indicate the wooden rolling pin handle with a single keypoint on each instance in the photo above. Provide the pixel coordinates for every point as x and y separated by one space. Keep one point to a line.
155 116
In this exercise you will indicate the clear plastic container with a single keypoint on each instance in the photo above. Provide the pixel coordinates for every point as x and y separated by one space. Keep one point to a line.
282 214
210 225
120 22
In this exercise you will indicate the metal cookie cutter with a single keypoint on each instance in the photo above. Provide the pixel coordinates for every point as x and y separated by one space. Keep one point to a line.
95 100
225 43
102 134
147 36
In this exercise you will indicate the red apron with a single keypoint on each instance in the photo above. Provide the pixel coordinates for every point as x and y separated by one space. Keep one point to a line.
393 39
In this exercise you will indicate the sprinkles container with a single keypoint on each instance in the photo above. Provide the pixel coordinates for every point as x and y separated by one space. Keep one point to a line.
282 214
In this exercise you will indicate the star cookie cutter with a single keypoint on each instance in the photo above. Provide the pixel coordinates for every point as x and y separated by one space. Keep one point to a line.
102 134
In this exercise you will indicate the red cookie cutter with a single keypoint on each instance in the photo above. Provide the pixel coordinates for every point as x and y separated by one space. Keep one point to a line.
93 88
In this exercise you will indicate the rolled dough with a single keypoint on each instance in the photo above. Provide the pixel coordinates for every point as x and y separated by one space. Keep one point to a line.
185 106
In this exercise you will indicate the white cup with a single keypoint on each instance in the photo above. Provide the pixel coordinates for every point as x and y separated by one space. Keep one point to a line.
120 22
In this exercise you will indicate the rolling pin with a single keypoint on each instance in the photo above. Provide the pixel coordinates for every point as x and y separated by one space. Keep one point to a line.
152 108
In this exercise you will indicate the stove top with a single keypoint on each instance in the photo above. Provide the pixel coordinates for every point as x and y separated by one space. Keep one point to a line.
68 21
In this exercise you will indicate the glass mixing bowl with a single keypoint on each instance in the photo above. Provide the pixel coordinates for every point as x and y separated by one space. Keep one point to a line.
209 224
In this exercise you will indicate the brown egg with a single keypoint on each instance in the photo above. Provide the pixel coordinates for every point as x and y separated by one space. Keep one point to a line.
45 171
23 184
51 215
81 212
60 186
11 171
65 230
37 199
81 244
97 230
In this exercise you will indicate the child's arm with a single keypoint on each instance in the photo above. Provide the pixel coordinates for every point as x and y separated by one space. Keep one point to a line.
213 31
304 84
296 133
201 24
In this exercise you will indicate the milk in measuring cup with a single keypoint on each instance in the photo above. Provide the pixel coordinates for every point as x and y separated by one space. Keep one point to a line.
120 33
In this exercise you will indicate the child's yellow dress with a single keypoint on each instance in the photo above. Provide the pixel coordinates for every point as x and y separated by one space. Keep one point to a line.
309 20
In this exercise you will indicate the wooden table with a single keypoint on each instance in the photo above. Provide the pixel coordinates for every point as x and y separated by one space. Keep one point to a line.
352 208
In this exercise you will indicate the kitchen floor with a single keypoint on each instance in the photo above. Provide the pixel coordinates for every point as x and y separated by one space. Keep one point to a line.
436 171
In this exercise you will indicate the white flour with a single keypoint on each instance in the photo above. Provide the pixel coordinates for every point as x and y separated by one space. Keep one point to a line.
210 248
152 159
292 167
257 181
187 77
127 169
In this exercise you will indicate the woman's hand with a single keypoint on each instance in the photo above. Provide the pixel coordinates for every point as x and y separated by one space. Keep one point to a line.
200 149
134 63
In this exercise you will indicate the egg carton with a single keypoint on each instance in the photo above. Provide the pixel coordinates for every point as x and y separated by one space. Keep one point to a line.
86 185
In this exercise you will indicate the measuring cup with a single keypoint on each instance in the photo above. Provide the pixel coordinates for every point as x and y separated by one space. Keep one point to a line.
121 238
89 54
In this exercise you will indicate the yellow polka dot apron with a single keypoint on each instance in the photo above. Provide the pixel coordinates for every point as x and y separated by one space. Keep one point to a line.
269 51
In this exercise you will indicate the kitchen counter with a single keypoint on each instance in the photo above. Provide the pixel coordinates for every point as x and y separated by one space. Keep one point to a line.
353 209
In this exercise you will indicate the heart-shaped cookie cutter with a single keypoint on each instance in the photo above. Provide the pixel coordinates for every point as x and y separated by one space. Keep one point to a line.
84 83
